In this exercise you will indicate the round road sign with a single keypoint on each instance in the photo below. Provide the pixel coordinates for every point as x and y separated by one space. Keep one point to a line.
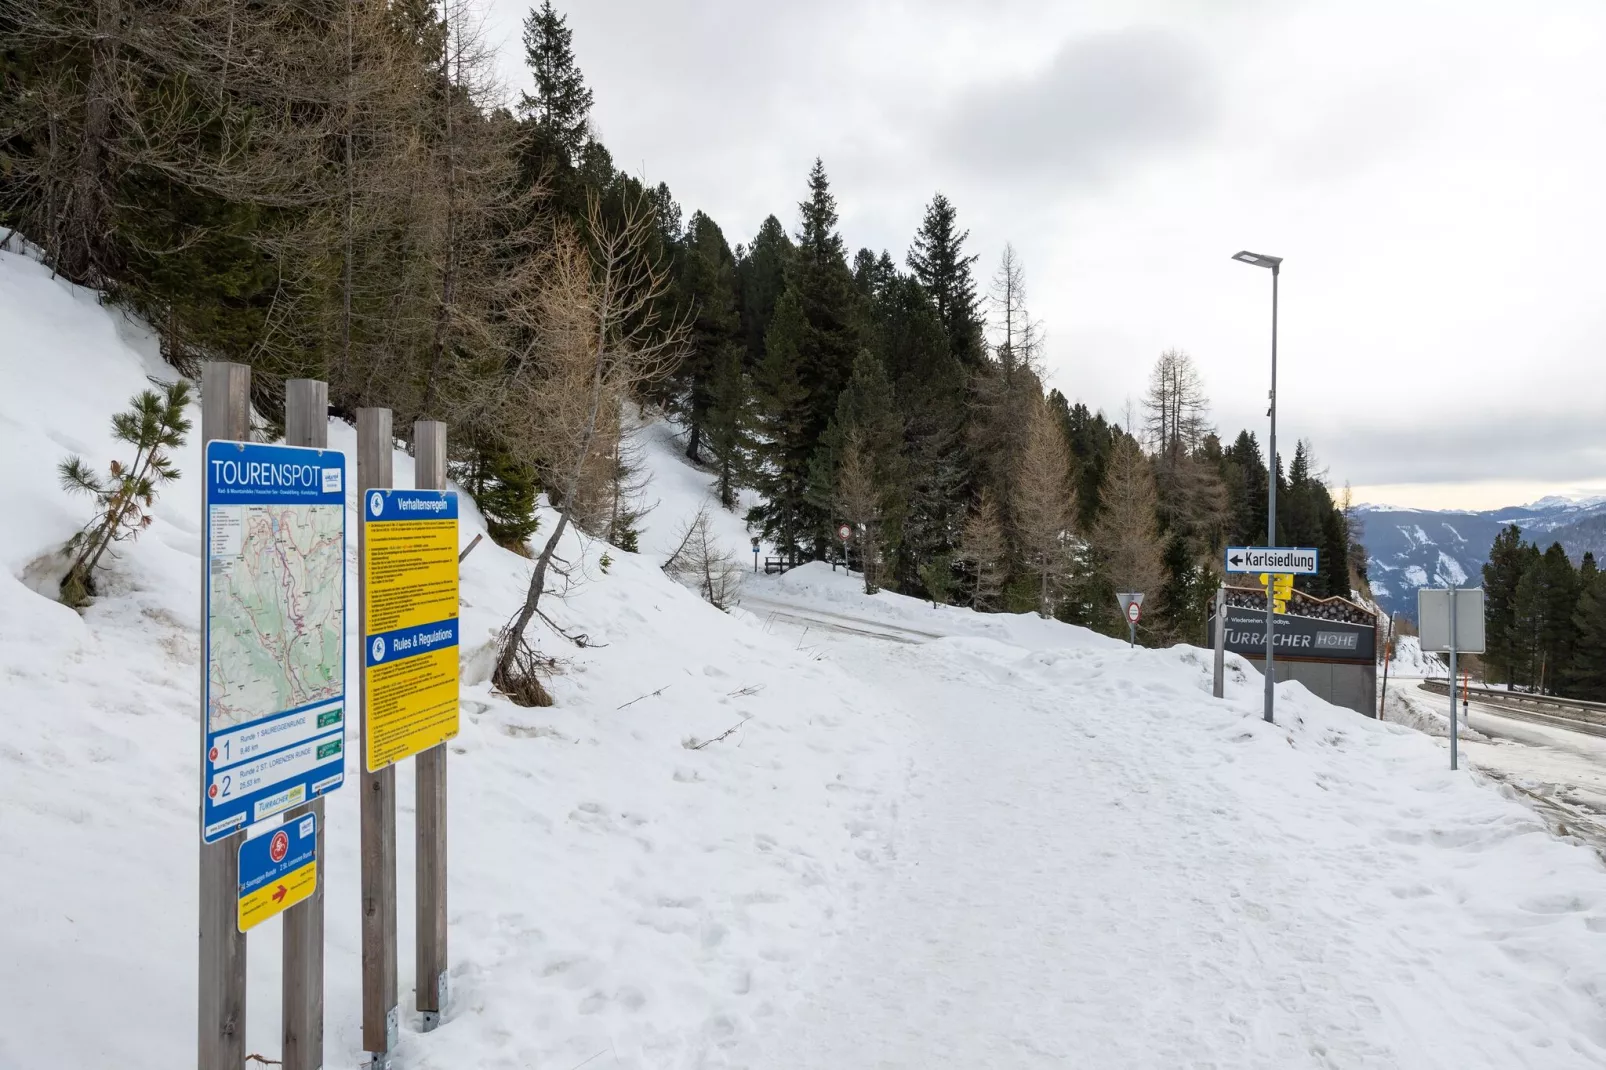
843 532
1134 612
279 847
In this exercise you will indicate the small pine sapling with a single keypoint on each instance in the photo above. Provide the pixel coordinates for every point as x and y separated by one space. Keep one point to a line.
154 424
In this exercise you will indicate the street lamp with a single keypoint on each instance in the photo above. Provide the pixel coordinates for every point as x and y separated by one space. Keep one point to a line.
1273 262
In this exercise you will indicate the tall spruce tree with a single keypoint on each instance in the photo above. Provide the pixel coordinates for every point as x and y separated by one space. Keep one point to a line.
821 336
1509 558
761 271
868 427
707 284
785 516
938 260
1547 599
1246 480
730 425
1092 441
560 107
1587 680
929 394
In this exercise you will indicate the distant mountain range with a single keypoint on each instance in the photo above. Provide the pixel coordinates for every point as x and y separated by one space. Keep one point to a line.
1411 548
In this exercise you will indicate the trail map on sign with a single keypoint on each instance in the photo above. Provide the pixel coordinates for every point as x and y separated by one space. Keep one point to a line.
274 624
277 609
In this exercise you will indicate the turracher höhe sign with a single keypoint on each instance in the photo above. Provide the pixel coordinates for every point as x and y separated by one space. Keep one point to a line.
1297 638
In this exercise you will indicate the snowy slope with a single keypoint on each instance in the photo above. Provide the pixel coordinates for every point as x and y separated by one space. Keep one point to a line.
935 839
612 889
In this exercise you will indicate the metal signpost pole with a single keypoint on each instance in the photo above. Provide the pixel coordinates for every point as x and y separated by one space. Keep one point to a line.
374 458
1275 264
1220 688
1388 654
429 449
225 414
1453 754
306 423
1271 497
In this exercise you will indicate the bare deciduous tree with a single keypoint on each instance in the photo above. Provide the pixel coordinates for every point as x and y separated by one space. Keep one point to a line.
700 561
1126 537
596 339
1045 505
1176 410
1020 336
982 547
859 499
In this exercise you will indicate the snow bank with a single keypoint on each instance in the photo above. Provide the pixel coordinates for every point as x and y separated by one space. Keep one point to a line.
612 890
1411 662
835 593
931 837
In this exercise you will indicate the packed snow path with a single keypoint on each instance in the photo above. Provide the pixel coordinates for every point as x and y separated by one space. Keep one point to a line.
1087 879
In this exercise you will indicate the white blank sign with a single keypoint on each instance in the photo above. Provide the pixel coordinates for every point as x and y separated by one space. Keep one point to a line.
1433 619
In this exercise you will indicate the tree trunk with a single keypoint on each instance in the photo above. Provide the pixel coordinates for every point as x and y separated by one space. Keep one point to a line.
87 207
532 599
694 444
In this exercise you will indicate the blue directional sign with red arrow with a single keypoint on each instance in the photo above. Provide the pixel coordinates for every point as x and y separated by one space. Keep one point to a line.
277 870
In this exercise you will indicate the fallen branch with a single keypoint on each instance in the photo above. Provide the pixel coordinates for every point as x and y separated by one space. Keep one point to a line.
751 689
722 735
580 639
255 1058
467 549
638 698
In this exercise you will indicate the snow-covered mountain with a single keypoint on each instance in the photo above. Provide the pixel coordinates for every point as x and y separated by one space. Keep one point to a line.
1411 548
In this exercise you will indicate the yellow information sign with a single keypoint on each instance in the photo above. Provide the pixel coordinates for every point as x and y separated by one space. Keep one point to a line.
1282 589
410 648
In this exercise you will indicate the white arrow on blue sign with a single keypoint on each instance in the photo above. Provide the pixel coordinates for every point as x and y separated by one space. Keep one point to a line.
1271 559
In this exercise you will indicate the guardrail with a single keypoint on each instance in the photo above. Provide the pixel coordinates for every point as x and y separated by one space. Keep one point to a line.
1573 713
1517 698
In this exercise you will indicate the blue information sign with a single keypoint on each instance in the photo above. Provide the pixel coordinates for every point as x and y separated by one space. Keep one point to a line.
277 870
274 630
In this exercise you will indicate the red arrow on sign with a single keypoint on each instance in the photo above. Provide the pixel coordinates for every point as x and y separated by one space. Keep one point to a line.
278 896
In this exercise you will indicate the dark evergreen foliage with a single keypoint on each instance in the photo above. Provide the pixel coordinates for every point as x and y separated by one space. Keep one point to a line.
560 108
939 262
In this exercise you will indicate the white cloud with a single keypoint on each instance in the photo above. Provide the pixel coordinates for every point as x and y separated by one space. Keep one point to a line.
1429 170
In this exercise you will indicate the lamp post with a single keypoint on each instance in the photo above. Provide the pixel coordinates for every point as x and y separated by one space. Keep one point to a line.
1275 263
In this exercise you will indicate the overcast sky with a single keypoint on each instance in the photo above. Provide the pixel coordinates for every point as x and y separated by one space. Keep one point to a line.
1432 174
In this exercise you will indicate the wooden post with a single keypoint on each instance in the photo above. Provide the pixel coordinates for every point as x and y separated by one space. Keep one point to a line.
429 451
1220 688
378 792
225 414
306 423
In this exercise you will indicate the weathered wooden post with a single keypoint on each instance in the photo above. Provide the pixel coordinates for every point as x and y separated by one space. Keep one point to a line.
429 450
225 414
306 423
374 469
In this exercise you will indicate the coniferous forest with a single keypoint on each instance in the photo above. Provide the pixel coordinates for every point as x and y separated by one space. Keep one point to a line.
1544 619
338 190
